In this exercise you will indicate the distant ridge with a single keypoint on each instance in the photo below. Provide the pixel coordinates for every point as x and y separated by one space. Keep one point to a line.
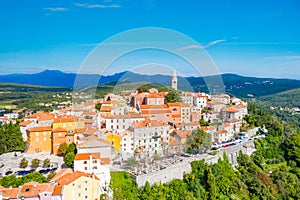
241 86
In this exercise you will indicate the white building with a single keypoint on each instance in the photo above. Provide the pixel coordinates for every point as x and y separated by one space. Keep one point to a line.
91 163
150 137
187 97
119 123
200 100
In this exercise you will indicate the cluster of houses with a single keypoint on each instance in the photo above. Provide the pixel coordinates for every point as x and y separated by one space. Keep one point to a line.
133 124
65 185
144 124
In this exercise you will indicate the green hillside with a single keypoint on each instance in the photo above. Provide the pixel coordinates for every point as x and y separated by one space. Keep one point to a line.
288 98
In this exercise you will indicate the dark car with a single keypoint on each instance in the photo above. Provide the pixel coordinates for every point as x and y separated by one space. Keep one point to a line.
18 173
53 169
1 175
8 172
44 171
25 173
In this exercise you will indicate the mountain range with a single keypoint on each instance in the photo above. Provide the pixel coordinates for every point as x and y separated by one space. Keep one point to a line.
241 86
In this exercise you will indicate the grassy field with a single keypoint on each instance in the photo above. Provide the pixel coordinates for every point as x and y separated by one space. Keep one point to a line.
123 186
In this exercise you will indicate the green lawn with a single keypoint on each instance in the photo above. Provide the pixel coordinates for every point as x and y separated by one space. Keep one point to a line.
123 185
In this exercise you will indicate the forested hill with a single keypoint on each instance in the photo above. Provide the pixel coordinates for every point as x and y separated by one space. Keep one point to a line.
290 98
240 86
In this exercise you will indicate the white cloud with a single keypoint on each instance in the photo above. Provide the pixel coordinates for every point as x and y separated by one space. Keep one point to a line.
213 43
189 47
56 9
199 46
85 5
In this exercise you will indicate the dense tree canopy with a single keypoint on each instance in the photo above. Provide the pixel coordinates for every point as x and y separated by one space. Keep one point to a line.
11 138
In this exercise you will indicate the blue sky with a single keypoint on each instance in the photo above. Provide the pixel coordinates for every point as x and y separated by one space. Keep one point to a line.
255 38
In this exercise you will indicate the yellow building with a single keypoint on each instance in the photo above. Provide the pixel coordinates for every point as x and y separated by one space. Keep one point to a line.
78 186
115 141
39 139
70 123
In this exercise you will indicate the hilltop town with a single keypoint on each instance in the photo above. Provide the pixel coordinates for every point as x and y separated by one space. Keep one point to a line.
83 142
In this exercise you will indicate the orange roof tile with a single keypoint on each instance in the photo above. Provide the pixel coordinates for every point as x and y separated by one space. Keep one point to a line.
231 110
40 129
153 95
184 104
163 106
105 161
183 134
59 130
227 125
105 108
25 123
32 189
146 123
57 190
147 112
61 173
86 156
127 116
65 119
173 104
221 131
11 193
71 177
176 116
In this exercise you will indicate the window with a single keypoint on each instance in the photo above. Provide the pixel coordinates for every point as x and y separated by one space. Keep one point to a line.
27 189
73 184
155 145
45 139
85 182
37 134
85 168
59 134
37 139
44 133
86 197
84 162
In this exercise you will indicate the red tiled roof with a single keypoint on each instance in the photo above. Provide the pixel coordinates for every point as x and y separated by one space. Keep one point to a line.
25 123
231 110
86 156
59 130
221 131
145 112
71 177
183 134
40 129
152 95
105 161
145 123
65 119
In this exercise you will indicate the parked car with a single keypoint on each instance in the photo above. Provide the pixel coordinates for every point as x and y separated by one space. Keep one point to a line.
18 173
44 171
1 165
9 172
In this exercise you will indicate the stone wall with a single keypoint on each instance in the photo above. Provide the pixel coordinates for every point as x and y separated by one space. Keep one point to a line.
178 170
166 175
